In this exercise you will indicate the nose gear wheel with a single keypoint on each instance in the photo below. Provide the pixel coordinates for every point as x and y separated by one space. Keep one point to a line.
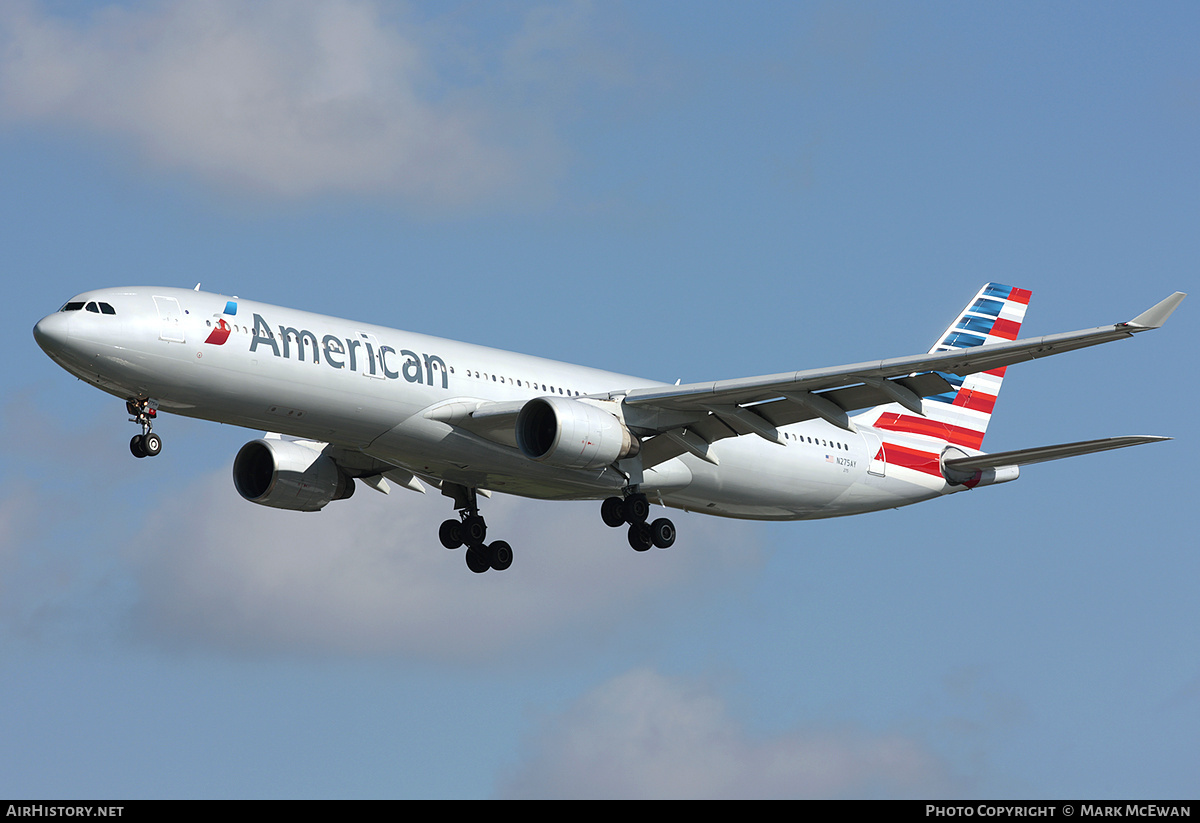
146 444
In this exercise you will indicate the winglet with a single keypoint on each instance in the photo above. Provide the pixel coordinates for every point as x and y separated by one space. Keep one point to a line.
1155 316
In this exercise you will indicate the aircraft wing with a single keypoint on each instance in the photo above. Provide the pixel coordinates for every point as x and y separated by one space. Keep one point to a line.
689 418
759 405
956 361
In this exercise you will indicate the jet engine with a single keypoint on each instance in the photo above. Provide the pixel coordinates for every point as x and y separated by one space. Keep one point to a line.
574 435
285 474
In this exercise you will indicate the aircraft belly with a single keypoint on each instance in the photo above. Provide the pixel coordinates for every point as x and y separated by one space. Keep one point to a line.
764 481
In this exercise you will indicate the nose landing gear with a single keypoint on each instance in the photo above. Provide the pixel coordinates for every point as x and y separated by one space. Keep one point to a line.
146 444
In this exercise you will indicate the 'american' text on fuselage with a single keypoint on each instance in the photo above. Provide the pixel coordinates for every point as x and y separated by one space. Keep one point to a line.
341 354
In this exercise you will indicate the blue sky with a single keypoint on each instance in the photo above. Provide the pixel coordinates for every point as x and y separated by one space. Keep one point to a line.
680 190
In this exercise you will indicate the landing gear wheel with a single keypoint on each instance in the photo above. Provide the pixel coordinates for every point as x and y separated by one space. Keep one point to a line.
151 444
451 534
476 561
612 512
474 530
501 555
146 444
636 508
639 537
662 533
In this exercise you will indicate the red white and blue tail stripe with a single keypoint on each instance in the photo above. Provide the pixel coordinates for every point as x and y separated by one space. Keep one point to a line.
960 417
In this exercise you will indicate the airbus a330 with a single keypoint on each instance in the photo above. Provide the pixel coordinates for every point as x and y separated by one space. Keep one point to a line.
348 402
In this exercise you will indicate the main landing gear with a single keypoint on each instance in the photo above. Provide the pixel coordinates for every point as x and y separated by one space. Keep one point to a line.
634 509
470 530
146 444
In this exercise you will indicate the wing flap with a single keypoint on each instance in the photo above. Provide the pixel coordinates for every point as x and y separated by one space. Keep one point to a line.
698 435
788 410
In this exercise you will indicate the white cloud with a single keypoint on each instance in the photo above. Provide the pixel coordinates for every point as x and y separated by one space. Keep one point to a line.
284 97
368 575
642 735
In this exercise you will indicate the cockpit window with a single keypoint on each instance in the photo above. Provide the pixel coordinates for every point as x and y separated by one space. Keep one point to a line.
94 306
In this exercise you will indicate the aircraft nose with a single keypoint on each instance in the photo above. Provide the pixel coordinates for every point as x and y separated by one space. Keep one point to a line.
52 332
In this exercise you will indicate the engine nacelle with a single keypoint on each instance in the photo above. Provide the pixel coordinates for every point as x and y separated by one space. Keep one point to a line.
287 475
565 432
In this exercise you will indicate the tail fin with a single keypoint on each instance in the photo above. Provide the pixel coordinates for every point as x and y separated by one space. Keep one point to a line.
961 416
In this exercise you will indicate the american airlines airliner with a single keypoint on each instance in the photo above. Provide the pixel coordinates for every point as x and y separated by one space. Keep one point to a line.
344 401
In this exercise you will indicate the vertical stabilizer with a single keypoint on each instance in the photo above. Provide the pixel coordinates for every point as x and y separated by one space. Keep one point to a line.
961 416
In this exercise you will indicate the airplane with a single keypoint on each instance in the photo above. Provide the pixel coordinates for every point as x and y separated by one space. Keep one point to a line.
345 401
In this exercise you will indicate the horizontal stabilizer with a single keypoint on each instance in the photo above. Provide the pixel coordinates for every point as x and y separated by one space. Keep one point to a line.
1042 454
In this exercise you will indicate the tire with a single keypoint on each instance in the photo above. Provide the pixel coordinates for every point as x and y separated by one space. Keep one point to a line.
636 508
476 562
152 444
639 537
662 533
500 555
136 448
451 534
474 530
612 512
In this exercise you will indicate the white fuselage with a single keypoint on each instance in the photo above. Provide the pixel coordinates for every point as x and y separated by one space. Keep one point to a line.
369 388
